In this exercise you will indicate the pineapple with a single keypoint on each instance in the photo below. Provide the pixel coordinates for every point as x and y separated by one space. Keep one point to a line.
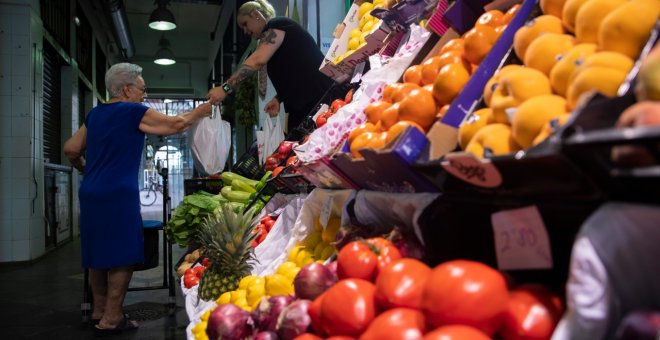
225 238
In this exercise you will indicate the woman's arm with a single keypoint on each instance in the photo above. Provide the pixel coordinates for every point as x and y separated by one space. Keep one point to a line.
156 123
74 148
269 42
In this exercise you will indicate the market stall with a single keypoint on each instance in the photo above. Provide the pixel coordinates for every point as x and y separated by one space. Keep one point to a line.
443 197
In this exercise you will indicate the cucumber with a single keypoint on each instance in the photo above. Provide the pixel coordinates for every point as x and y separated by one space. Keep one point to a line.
228 177
238 196
225 191
241 185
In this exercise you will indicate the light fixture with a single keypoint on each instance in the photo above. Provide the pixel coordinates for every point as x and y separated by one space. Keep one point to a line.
161 18
164 55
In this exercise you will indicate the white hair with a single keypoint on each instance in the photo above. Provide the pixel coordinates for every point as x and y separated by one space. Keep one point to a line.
119 75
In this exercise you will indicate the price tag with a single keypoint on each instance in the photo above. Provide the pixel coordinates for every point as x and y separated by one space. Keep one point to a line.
326 211
470 169
521 239
357 73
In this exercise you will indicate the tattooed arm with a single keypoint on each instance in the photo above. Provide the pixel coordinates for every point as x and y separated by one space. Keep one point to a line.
269 42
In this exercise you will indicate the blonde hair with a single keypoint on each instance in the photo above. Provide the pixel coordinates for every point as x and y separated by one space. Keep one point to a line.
265 8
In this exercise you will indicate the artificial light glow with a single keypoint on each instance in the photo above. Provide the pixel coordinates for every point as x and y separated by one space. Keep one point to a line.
165 61
162 25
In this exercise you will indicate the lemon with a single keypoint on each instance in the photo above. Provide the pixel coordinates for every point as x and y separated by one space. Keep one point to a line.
243 305
319 249
255 304
327 252
245 282
224 299
312 240
303 253
354 33
294 253
259 281
238 295
368 26
353 43
286 266
291 273
363 37
200 330
338 59
255 293
364 20
364 9
306 260
330 230
278 284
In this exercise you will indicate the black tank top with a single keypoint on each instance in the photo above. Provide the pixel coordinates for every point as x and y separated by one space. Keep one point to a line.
294 70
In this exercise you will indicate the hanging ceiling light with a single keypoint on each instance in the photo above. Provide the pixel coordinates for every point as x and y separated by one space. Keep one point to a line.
164 55
161 18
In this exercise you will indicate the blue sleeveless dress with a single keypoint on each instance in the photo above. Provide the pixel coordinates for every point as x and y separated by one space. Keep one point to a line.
110 220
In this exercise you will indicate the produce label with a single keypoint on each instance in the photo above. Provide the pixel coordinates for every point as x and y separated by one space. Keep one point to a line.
472 170
521 239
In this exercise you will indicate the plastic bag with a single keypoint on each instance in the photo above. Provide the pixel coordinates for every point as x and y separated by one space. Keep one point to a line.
210 143
270 137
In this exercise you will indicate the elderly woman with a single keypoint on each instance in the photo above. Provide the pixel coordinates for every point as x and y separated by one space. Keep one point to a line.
292 58
108 147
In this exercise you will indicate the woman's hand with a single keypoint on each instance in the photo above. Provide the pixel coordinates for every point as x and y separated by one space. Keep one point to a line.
216 95
205 109
273 107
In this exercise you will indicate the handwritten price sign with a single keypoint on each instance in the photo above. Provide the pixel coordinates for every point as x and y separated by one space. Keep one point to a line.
472 170
521 239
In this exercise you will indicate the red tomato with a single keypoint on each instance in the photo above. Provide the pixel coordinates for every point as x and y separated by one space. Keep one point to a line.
348 307
254 243
261 237
456 332
307 336
364 259
269 224
266 218
349 96
532 314
401 284
277 170
198 270
190 280
321 119
314 312
340 337
292 160
272 161
465 292
336 105
205 262
397 323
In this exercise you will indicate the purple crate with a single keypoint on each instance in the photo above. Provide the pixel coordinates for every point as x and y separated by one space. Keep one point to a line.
471 94
388 170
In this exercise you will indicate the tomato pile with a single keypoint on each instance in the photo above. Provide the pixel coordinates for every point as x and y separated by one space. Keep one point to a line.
262 229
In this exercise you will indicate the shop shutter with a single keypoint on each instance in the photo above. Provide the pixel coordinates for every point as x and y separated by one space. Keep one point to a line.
52 123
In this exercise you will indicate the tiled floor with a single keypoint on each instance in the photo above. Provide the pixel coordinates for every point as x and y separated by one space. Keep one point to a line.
42 300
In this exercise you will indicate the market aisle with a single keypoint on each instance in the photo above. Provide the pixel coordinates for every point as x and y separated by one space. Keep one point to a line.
42 300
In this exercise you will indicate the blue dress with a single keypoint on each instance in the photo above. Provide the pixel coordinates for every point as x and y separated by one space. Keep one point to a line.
110 220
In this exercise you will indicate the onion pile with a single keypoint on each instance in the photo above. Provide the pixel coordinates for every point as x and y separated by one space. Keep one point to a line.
268 311
312 280
294 320
229 322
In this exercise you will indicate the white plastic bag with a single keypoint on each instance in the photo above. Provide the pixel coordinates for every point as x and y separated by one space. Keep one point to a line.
210 143
270 137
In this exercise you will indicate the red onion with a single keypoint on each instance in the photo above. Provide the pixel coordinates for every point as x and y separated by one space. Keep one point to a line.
229 322
294 320
268 310
333 267
265 335
312 280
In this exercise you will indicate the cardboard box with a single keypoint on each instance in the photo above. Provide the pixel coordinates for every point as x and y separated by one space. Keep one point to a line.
390 169
323 174
375 41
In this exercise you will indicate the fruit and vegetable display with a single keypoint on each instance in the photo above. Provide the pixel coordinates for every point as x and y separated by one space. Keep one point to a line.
339 279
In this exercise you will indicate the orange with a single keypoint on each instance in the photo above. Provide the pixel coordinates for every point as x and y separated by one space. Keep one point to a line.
611 60
510 14
492 18
389 90
515 87
550 128
413 74
533 114
478 42
532 30
390 116
452 57
567 63
400 126
589 17
456 44
473 123
364 127
569 13
604 80
430 68
627 28
403 91
378 141
492 140
419 107
500 29
374 110
494 81
552 7
450 81
360 142
543 51
443 110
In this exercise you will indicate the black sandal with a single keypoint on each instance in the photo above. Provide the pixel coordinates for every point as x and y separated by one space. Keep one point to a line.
124 325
